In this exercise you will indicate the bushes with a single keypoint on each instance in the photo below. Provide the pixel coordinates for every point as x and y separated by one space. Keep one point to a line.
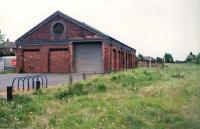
82 88
7 54
63 93
76 89
198 59
101 87
1 54
125 79
134 80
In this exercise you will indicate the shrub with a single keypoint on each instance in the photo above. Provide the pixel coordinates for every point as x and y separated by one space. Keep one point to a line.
148 74
114 78
125 79
10 54
76 88
101 87
1 54
63 93
198 59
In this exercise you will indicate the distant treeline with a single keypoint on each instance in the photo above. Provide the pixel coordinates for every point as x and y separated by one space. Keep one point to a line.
191 58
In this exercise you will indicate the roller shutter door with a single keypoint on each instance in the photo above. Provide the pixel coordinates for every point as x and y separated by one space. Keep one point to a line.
88 57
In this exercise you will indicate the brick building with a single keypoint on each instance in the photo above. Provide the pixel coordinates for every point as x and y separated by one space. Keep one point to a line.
61 44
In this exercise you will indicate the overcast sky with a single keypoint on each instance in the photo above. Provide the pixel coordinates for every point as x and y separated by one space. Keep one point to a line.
152 27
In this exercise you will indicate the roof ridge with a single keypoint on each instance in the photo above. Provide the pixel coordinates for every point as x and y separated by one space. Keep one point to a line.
66 17
82 24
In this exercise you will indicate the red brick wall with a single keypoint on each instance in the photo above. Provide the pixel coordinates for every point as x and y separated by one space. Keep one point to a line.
116 58
27 60
32 59
63 62
106 57
72 31
59 62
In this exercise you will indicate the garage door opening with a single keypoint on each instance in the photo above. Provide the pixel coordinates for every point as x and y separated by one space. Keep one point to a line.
88 57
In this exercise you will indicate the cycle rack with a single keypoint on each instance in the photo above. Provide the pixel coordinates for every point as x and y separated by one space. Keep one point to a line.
27 79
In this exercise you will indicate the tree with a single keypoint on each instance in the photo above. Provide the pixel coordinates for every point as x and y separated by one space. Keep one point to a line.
1 54
190 57
1 37
140 56
159 60
168 58
198 59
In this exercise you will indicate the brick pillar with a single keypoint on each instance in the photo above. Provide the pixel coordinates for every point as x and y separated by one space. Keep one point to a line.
133 60
123 60
71 58
130 60
118 60
19 60
134 57
106 57
114 60
44 51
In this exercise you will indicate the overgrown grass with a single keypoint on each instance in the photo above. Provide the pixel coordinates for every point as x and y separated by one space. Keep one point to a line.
134 99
